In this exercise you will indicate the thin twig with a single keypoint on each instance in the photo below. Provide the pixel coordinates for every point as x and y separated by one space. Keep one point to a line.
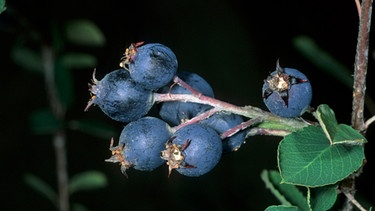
240 127
246 111
196 119
59 138
354 201
358 5
369 122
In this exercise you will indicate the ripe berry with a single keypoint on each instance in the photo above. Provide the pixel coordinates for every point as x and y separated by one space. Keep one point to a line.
141 143
194 150
287 92
175 112
152 65
221 122
119 97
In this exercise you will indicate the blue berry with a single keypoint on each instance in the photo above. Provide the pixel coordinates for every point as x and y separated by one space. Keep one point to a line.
224 121
287 92
141 143
119 97
175 112
194 150
152 65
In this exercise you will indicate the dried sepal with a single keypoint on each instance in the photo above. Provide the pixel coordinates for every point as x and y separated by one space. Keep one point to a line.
93 90
118 156
281 83
174 155
129 54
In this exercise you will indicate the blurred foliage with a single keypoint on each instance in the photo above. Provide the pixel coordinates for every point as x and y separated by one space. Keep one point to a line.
55 63
323 60
2 6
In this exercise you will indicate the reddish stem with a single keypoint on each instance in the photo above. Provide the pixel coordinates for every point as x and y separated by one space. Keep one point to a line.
290 124
240 127
196 119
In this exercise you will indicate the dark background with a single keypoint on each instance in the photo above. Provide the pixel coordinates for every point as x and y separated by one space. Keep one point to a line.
232 44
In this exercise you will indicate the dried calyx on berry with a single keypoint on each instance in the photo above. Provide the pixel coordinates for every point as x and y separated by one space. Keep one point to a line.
118 156
281 83
193 150
287 92
174 156
129 54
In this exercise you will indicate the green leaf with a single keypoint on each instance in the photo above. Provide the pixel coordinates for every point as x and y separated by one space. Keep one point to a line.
43 121
306 158
323 198
79 207
40 186
323 60
27 58
88 180
93 127
287 194
84 32
281 208
348 135
327 120
78 60
337 133
2 6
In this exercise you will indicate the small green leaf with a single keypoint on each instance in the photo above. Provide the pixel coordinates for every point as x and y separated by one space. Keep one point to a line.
44 122
306 158
337 133
84 32
87 181
327 119
2 6
40 186
287 194
78 60
27 58
323 198
282 208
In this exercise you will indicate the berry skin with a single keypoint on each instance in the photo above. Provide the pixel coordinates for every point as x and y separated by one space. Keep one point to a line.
176 112
287 92
194 150
152 65
223 121
141 143
119 97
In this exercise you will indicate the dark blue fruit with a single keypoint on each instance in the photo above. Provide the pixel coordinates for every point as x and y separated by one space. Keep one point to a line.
223 121
119 97
194 150
176 112
152 65
287 92
141 143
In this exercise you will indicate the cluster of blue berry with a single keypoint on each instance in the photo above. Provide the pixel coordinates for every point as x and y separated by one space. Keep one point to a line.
188 136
